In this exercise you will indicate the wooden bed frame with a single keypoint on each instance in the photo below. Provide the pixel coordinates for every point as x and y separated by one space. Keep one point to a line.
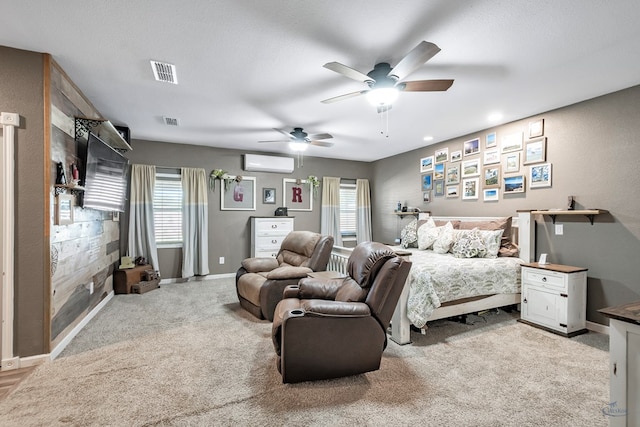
400 323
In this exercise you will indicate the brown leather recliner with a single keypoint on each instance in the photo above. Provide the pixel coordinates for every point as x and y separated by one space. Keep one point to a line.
261 281
329 328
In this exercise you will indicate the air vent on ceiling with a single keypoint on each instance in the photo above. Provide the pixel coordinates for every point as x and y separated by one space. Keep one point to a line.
164 72
170 121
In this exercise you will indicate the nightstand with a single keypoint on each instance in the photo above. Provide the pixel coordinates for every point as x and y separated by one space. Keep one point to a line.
554 298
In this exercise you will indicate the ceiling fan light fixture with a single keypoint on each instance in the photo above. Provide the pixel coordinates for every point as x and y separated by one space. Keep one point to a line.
382 96
298 146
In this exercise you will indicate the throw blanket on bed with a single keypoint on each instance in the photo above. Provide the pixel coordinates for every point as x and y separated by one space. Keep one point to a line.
438 278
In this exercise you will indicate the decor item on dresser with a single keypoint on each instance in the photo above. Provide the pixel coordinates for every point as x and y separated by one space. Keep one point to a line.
239 194
261 280
334 327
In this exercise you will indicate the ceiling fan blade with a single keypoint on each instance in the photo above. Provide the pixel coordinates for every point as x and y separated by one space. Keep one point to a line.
427 85
284 132
345 96
347 72
321 143
278 140
414 59
320 136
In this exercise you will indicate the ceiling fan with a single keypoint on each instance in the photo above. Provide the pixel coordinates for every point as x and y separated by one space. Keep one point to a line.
299 140
385 82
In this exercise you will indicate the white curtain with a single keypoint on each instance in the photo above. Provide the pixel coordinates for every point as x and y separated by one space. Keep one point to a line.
195 223
363 211
330 212
142 239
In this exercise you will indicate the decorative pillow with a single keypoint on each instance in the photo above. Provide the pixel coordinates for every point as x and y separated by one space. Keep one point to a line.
507 247
409 235
427 234
443 243
492 240
471 244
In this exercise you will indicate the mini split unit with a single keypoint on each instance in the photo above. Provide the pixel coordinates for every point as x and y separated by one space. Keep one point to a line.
258 163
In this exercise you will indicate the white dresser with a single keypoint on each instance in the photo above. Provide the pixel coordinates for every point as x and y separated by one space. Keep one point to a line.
554 297
267 234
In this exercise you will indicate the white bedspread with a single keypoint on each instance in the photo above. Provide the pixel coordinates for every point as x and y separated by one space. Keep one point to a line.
438 278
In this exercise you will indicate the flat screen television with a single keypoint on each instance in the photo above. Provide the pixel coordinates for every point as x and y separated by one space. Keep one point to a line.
105 176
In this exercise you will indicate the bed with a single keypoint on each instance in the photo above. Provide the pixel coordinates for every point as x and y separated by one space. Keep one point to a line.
443 285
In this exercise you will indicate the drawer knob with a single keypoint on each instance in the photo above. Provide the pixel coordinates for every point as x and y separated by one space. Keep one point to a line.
274 241
525 301
544 279
274 225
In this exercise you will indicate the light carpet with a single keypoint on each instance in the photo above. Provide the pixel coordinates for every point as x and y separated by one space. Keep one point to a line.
187 355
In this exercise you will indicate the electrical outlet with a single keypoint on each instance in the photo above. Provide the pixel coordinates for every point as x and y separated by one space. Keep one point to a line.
221 260
559 229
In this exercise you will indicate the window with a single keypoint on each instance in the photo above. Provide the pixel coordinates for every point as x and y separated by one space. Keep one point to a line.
167 210
348 211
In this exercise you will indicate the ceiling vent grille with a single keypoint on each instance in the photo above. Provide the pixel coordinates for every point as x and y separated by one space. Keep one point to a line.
171 121
164 72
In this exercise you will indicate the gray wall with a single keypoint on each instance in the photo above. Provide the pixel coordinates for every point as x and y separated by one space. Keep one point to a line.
229 230
593 148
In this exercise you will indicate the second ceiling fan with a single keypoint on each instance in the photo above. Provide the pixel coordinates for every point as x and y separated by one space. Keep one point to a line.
385 82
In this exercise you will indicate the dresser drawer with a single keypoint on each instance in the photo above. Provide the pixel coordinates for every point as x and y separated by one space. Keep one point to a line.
274 226
269 242
266 253
545 279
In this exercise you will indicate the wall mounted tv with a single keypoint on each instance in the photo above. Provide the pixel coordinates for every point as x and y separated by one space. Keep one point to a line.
105 176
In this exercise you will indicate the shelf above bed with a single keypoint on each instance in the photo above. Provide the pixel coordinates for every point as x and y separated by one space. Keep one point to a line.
589 213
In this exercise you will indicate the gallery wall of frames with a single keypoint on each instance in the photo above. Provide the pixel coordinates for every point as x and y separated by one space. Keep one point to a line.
489 167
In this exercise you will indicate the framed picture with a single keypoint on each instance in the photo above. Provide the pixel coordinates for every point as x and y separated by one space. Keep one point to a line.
426 196
470 188
442 155
512 142
438 171
453 174
471 168
512 162
491 140
536 128
124 132
471 147
297 195
439 187
239 195
456 156
491 195
513 184
64 209
269 196
540 176
427 182
491 176
535 150
453 191
426 164
490 157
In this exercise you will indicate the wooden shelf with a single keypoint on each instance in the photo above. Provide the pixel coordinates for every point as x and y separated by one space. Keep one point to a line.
104 130
589 213
63 188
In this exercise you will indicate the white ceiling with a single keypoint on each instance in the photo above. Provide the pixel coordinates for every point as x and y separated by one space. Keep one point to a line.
247 66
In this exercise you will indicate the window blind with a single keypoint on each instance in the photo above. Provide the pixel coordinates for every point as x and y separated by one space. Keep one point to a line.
167 209
348 209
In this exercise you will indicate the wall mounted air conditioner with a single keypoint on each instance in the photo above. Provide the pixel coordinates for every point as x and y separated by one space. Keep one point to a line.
255 162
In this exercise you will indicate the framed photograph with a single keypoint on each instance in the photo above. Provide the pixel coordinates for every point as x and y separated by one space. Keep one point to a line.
491 157
491 176
536 128
426 164
453 191
491 140
439 187
491 195
64 209
427 182
540 176
426 196
297 194
470 188
239 195
512 162
442 155
456 156
471 147
269 196
512 142
438 171
471 168
453 174
535 150
513 184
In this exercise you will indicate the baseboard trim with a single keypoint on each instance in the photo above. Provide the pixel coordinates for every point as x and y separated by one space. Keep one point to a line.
597 327
197 278
39 359
63 344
